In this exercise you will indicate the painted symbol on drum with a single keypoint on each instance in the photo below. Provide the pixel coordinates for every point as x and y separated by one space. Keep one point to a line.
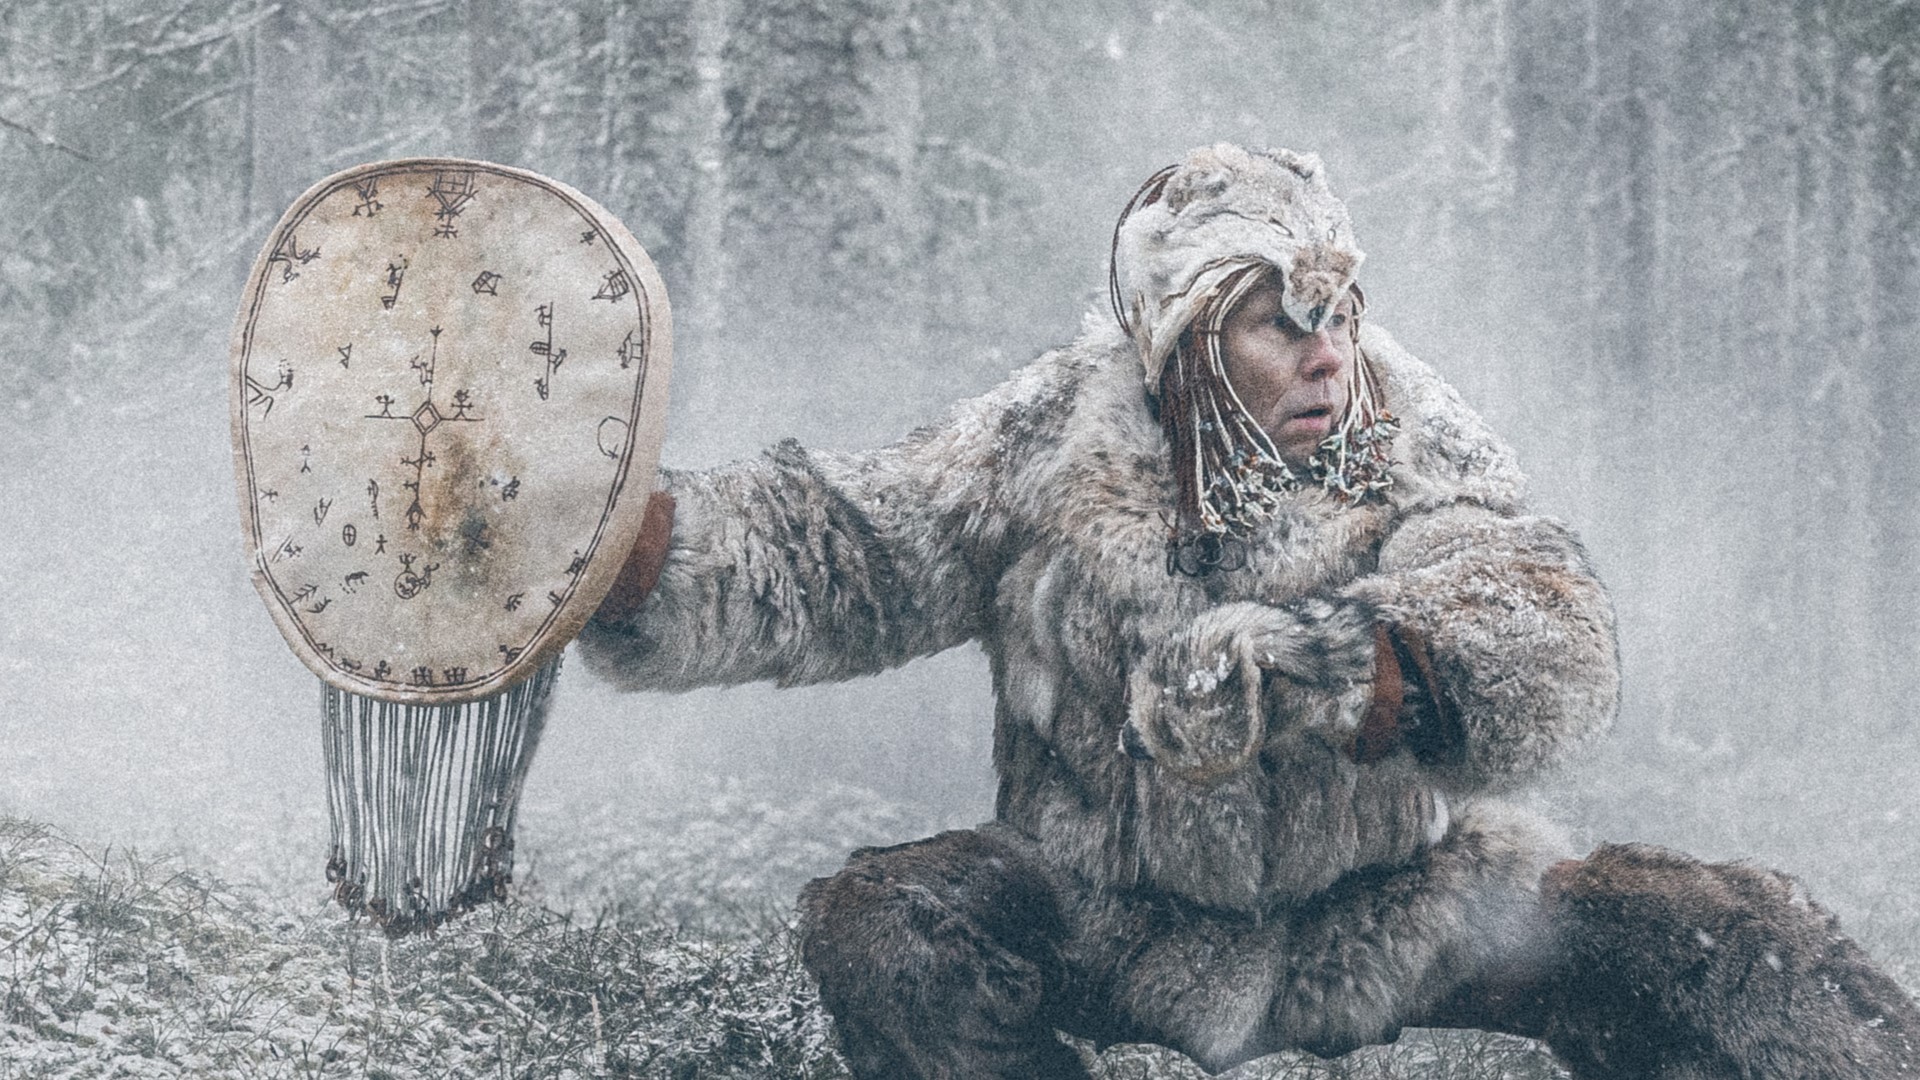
261 394
488 282
369 191
611 437
416 513
544 348
629 351
288 253
453 189
613 286
425 418
409 583
396 273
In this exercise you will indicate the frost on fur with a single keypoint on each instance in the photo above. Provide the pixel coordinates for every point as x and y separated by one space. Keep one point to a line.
1200 708
1154 732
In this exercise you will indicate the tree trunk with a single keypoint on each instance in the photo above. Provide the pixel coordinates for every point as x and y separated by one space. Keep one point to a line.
892 69
491 109
700 328
289 106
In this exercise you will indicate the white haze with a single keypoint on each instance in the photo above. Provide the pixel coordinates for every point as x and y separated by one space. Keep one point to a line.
1671 257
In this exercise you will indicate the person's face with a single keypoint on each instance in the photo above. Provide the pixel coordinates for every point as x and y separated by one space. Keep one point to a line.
1292 382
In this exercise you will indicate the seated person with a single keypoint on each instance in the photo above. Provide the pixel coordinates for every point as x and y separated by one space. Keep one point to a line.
1271 629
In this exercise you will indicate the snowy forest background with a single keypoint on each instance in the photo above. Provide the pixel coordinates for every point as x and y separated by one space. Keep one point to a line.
1671 251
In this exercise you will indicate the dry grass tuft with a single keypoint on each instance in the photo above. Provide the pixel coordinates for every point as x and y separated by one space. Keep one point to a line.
116 964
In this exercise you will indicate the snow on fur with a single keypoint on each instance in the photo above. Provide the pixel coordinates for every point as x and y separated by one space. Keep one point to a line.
1034 520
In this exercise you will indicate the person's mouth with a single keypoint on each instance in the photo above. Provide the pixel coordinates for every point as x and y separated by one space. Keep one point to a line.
1315 420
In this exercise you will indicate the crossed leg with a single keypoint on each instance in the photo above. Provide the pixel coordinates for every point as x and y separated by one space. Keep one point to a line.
958 957
1663 965
940 959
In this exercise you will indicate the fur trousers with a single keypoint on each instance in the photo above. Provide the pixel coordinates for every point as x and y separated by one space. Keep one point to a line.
959 957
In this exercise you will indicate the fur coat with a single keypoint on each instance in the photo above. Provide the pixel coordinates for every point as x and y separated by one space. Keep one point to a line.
1033 520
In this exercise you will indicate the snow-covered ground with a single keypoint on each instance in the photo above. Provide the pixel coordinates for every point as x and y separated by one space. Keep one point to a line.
656 946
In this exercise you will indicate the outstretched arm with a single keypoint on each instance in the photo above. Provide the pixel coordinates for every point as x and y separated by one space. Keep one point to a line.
807 566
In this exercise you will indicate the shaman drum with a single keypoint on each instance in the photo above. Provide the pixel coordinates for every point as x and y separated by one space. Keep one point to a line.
448 397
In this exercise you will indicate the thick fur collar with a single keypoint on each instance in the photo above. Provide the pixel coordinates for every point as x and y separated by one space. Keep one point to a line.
1105 479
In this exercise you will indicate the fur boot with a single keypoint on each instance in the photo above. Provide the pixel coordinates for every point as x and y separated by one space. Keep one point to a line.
939 961
1674 968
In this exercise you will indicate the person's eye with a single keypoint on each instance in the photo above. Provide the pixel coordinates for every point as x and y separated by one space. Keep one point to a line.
1338 320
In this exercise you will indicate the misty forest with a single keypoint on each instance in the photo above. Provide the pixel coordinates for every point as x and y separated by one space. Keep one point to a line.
1670 252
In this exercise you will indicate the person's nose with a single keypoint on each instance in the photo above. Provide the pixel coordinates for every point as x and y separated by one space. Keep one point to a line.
1322 359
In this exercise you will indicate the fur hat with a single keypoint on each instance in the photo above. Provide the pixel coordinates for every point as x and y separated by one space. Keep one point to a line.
1193 224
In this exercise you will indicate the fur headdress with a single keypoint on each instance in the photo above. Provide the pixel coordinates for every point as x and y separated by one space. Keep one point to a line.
1189 246
1193 224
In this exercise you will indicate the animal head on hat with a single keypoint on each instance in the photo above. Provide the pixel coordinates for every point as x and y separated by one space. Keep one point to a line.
1192 225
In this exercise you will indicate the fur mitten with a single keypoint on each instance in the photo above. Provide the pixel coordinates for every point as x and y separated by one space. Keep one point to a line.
1195 707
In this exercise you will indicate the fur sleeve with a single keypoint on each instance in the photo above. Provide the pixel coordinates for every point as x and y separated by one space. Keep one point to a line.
806 567
1521 632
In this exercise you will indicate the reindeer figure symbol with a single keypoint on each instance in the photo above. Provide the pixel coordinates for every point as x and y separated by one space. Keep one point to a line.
288 253
259 393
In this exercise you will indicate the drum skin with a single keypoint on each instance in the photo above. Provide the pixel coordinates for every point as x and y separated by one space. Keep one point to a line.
449 391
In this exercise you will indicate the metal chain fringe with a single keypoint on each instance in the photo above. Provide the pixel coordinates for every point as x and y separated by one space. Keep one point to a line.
421 800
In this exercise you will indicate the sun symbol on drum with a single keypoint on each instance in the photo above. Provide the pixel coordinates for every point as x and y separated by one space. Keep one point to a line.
408 584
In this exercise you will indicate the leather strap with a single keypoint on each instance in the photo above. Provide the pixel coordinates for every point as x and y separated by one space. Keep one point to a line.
1380 731
641 572
1396 649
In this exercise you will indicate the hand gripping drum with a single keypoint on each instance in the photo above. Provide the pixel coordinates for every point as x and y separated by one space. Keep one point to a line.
448 397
